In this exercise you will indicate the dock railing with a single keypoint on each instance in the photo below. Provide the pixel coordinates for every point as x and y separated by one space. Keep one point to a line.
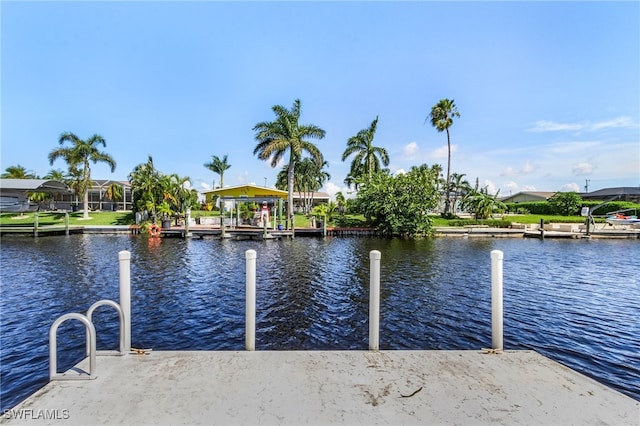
124 308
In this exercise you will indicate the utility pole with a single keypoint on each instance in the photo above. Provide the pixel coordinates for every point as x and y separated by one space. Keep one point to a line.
586 185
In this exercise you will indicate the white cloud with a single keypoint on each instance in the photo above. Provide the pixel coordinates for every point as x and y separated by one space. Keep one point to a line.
569 147
410 149
243 178
332 189
491 187
399 172
526 169
570 187
509 171
553 126
443 152
205 186
620 122
529 188
583 168
511 185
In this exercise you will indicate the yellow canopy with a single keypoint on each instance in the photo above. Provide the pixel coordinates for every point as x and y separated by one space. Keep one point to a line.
247 191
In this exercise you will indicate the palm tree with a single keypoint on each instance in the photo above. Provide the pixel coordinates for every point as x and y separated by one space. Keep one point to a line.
308 178
80 154
355 176
482 204
459 188
284 134
218 166
146 192
341 203
114 192
56 174
367 157
441 117
18 172
176 191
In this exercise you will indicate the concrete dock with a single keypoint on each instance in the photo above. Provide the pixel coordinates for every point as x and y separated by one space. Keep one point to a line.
319 387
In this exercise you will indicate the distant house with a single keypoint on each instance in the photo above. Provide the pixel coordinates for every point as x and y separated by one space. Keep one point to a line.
316 198
97 197
14 193
623 193
528 196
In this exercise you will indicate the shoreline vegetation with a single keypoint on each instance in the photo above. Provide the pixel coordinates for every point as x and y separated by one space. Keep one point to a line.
389 204
107 218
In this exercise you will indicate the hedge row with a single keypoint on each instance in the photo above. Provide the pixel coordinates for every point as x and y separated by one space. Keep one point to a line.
544 208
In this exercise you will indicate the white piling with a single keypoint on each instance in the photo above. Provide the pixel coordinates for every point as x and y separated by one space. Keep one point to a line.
374 300
125 296
250 304
497 257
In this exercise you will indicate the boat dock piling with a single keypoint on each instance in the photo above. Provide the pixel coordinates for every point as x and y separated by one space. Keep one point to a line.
250 301
497 258
374 300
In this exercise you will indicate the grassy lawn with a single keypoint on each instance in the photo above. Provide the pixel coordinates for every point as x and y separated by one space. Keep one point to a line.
75 218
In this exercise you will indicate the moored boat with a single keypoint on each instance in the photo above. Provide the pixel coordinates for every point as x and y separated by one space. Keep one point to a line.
620 219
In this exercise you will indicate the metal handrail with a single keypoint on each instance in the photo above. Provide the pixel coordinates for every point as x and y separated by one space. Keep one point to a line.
114 305
91 349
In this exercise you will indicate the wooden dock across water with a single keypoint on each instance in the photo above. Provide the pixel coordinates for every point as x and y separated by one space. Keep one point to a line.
243 233
320 387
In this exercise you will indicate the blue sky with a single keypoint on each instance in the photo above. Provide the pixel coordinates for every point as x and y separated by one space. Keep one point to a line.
548 92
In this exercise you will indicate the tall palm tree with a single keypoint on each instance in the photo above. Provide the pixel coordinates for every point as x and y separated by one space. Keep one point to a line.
284 134
218 166
441 117
367 157
18 172
81 153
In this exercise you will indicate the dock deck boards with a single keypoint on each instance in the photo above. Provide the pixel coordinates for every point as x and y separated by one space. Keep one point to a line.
336 387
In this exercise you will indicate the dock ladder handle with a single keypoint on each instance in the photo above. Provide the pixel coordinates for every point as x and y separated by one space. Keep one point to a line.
115 306
91 348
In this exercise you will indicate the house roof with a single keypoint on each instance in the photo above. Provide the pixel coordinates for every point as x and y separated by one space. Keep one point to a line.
610 192
35 185
543 195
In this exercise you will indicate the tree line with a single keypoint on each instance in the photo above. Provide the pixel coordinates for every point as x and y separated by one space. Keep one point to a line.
395 205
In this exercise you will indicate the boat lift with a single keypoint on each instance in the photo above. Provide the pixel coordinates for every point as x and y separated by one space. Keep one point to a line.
588 211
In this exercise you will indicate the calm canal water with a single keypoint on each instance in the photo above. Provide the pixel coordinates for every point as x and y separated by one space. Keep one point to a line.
574 301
